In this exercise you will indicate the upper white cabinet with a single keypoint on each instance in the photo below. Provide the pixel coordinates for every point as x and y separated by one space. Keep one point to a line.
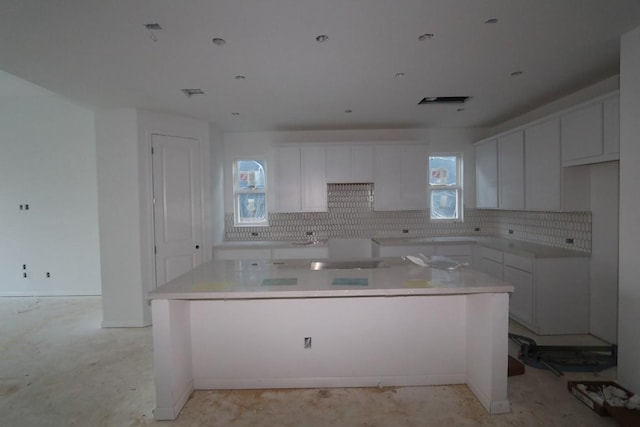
591 133
487 174
511 171
301 184
314 180
350 163
287 184
401 177
542 166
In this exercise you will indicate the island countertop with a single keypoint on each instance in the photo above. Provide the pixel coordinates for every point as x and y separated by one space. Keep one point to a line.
263 279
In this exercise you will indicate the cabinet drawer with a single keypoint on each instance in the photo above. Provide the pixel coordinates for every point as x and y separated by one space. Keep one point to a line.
491 268
492 254
519 262
235 254
453 250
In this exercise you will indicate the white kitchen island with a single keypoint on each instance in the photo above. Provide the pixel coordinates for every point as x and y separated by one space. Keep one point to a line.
263 324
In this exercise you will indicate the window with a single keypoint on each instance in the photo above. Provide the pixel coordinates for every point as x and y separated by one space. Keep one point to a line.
250 193
445 186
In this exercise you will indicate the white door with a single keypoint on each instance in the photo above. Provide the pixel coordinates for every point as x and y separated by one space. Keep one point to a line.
178 217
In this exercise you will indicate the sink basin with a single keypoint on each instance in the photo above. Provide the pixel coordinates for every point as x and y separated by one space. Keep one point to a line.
344 265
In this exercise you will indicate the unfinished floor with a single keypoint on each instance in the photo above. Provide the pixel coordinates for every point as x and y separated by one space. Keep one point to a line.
58 367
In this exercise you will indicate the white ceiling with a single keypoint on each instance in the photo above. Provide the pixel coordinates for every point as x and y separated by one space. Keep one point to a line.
99 54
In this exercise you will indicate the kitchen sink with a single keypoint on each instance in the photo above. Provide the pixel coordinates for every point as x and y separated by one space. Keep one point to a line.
345 265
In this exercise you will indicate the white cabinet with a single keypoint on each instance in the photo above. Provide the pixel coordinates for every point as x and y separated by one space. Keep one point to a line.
551 295
300 179
313 179
241 253
511 171
401 178
300 252
591 133
391 251
287 186
459 252
347 164
487 174
542 166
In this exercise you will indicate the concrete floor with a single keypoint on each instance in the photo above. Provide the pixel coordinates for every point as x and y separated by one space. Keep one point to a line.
58 367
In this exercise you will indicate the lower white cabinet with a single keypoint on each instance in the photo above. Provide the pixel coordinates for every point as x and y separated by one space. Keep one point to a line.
550 295
242 253
271 253
388 251
304 252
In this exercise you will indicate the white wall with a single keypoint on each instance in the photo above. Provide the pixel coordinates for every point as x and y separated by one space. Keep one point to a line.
217 185
239 144
604 251
126 212
629 273
47 160
118 201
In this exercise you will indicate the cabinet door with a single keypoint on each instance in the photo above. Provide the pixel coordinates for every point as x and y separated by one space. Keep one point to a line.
414 177
491 268
543 172
487 174
511 171
287 188
611 128
362 163
521 300
339 164
388 185
581 133
313 178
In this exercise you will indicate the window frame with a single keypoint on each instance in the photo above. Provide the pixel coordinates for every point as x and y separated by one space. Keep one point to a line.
238 192
458 186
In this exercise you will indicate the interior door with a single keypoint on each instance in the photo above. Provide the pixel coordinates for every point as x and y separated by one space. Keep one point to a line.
178 216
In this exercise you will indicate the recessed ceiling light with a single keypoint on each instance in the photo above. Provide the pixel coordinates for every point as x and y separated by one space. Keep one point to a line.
426 36
240 77
460 109
516 73
153 27
235 114
348 111
399 75
322 38
491 21
218 41
192 92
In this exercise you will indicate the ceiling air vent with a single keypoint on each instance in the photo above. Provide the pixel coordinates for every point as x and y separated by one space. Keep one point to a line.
444 100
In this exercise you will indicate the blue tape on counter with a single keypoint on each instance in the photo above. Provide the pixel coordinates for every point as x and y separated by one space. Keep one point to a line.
277 282
350 281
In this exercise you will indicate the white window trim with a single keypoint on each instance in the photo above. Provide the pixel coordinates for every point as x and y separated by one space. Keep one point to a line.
237 191
458 186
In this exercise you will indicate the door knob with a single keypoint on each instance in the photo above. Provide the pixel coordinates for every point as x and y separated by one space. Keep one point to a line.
197 246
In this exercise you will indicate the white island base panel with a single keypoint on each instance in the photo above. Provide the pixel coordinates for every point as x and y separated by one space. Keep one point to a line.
355 342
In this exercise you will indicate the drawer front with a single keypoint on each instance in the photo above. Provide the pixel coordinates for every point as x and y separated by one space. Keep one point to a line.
235 254
519 262
300 253
453 250
521 301
489 253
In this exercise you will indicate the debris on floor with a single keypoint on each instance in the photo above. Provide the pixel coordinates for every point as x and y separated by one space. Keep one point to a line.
608 398
559 359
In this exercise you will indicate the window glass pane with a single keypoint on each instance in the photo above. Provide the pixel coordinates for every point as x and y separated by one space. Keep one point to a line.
251 208
443 170
444 204
250 174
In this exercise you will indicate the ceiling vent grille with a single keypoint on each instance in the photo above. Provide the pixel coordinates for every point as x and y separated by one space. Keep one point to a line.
444 100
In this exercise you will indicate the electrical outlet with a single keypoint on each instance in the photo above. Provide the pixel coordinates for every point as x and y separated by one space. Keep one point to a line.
569 241
476 229
309 233
307 342
48 275
405 231
510 231
254 234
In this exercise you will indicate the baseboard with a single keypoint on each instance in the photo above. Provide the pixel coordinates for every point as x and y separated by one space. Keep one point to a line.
124 324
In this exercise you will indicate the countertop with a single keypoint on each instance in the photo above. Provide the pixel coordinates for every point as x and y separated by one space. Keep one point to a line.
515 247
246 280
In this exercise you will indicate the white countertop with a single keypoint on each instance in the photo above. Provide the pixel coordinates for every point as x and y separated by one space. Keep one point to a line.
516 247
244 280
